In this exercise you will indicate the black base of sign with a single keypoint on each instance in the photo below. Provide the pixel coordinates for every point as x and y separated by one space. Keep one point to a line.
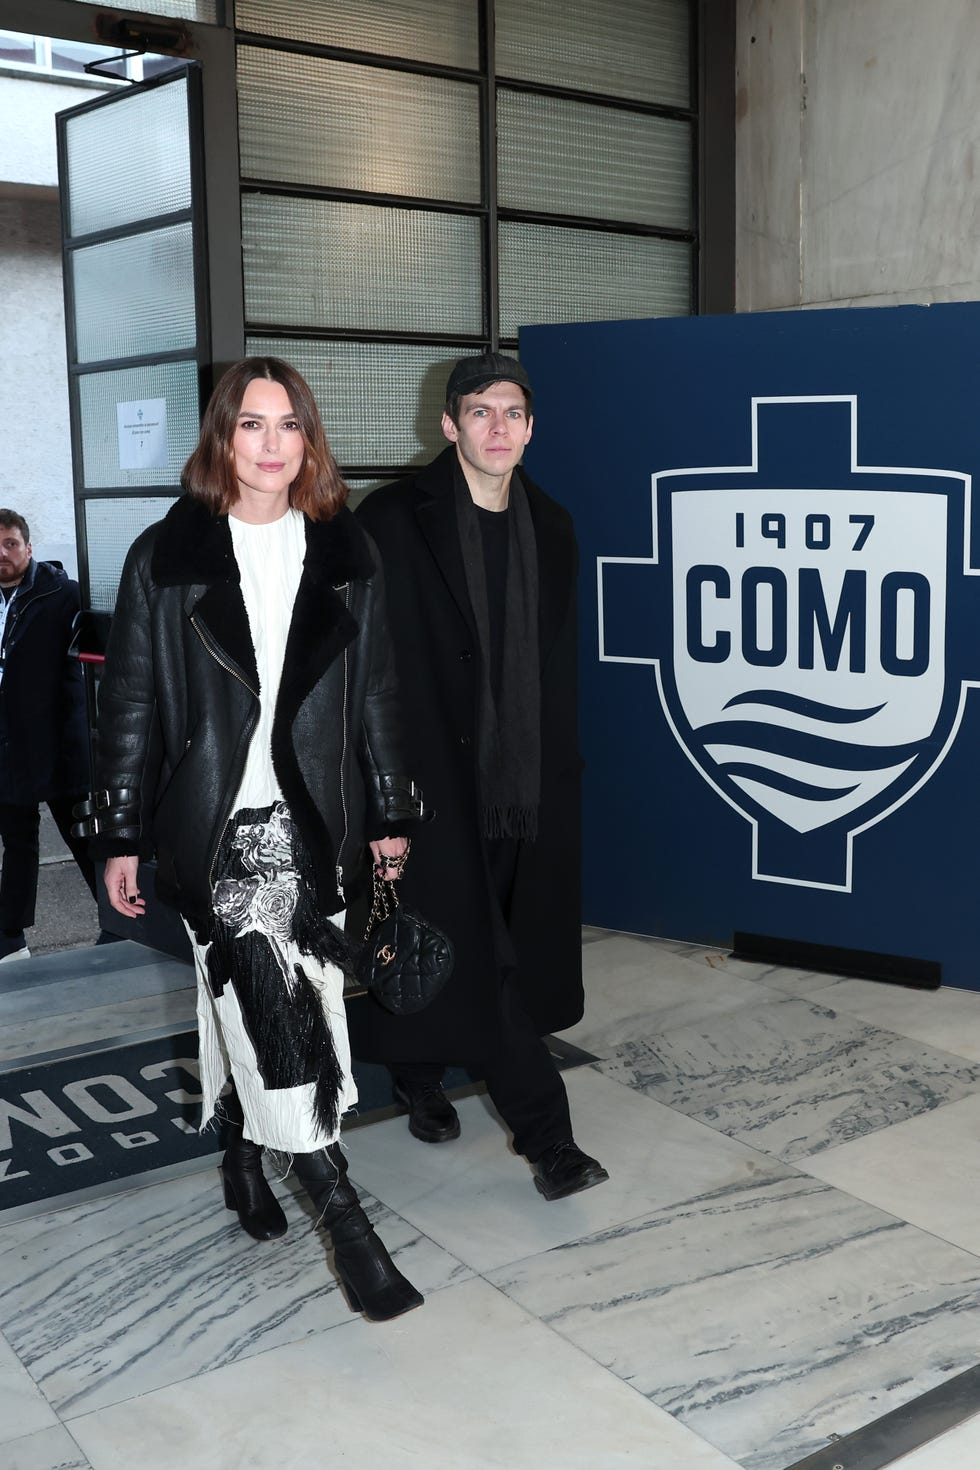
861 964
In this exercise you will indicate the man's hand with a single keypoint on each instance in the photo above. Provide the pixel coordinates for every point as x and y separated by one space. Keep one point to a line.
121 886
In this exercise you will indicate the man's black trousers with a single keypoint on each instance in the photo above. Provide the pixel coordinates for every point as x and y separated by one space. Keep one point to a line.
522 1078
19 827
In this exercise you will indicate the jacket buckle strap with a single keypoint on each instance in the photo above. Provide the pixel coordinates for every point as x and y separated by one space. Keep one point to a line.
101 801
403 800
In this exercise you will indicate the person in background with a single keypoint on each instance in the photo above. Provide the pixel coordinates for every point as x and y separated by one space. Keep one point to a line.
249 738
43 724
481 566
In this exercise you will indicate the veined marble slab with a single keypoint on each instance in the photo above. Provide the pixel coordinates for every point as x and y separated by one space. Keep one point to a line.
23 1408
45 1033
635 988
93 962
121 1296
469 1382
50 1449
791 1077
86 992
949 1019
783 978
924 1171
767 1316
477 1198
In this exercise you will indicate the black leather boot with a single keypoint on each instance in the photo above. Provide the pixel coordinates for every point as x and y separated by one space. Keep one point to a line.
431 1116
373 1283
246 1187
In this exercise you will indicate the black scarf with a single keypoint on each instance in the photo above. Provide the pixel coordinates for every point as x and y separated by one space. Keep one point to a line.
509 732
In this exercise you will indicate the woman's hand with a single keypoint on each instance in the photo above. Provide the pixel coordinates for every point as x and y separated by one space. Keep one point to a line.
121 886
390 847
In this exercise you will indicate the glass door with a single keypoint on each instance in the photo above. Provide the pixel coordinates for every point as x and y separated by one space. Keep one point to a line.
138 339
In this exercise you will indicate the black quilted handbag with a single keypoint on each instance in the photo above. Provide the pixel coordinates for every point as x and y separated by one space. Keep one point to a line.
405 961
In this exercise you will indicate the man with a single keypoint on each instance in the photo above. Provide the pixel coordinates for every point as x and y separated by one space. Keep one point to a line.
480 567
43 725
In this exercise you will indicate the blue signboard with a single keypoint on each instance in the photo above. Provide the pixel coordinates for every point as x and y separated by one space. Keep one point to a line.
780 622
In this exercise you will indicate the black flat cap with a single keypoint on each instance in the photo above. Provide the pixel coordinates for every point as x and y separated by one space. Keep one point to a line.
473 373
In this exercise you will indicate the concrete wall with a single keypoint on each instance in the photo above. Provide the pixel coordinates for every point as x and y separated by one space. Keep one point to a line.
858 150
27 107
35 468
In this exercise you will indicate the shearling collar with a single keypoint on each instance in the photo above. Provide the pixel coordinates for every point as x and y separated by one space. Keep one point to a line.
194 547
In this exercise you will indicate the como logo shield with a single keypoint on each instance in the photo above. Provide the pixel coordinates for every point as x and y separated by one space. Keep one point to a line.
800 645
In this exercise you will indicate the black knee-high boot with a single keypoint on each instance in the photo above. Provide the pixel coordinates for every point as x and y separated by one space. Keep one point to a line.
246 1187
372 1281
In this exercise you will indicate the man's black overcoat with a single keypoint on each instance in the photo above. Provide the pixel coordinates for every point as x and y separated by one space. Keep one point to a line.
43 720
437 653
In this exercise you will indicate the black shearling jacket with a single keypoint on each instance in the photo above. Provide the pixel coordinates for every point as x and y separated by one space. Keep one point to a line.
179 700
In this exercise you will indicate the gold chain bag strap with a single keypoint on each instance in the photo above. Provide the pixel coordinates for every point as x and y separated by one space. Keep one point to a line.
405 961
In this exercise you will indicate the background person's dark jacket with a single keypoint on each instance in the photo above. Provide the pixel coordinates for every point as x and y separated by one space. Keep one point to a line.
414 525
178 704
43 724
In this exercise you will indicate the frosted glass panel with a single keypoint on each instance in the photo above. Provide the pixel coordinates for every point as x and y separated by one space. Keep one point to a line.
327 263
206 10
304 120
549 274
136 295
380 403
442 31
130 160
111 527
98 395
625 48
559 157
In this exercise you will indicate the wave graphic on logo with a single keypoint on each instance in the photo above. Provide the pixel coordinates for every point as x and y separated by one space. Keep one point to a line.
804 778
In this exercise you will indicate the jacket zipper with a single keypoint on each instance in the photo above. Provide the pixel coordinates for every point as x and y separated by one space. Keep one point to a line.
343 767
16 612
212 649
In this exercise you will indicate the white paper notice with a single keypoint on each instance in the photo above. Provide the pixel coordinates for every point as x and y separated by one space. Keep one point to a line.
143 434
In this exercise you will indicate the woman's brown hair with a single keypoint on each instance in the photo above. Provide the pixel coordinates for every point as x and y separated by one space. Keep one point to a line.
209 475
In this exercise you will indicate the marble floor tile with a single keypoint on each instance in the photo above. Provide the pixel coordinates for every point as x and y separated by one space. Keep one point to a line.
80 993
791 1077
946 1018
636 988
23 1408
47 1033
775 977
118 1297
94 961
766 1316
51 1449
957 1450
924 1171
476 1198
514 1397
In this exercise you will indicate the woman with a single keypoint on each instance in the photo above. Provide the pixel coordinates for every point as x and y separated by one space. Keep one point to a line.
248 739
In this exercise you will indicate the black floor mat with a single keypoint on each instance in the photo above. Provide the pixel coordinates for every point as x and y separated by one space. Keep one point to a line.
87 1121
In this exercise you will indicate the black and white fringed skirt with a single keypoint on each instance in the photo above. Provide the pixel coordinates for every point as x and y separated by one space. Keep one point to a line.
271 990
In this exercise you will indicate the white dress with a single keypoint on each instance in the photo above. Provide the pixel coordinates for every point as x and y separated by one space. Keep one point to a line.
270 560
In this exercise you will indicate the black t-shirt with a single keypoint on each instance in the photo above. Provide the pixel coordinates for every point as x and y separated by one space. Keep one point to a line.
495 533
